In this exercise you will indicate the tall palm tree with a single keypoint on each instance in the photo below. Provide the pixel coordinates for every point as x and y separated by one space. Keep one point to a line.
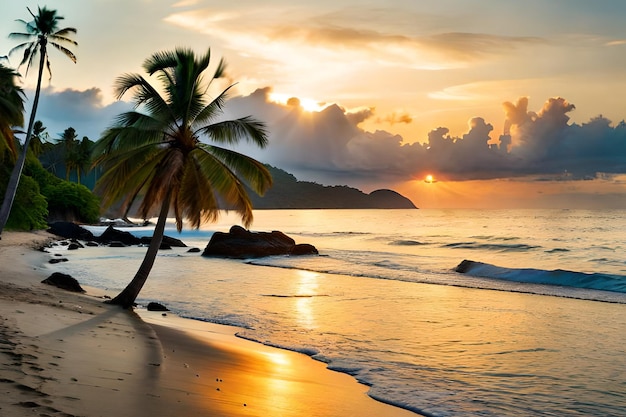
40 33
11 110
158 154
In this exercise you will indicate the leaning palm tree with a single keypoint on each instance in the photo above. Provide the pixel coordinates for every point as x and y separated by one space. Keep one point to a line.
40 33
11 110
156 152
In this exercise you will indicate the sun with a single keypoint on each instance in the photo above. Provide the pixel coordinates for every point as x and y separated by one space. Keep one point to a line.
307 104
430 179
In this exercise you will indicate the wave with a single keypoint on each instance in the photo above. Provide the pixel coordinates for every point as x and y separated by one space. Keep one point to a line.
407 243
561 277
519 247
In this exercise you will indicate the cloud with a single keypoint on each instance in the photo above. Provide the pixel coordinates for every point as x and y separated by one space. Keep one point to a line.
346 41
331 147
331 144
395 118
82 110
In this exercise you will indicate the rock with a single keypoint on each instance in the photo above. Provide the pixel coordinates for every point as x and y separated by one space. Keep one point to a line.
240 243
304 249
91 243
152 306
464 266
117 244
57 260
194 250
74 244
169 241
111 235
63 281
69 230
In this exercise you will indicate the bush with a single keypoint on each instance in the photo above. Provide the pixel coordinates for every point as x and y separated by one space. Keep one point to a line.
30 209
73 200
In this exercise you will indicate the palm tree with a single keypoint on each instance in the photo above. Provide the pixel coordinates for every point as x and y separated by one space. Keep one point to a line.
83 157
69 143
11 110
38 138
43 30
159 155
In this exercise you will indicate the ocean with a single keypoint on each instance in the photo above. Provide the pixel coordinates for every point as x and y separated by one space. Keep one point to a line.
536 326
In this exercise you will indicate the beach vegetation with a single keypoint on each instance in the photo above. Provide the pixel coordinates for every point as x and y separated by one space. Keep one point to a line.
156 152
41 32
66 200
50 198
30 208
11 110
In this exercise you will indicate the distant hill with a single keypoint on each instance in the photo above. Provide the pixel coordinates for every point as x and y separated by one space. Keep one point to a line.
289 193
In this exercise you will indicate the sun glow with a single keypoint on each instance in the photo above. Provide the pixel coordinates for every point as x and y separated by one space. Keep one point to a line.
429 179
306 104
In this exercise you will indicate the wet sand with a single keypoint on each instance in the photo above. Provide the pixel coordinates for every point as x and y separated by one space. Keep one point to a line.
69 354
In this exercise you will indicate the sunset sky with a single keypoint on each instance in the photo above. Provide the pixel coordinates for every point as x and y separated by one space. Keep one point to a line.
389 91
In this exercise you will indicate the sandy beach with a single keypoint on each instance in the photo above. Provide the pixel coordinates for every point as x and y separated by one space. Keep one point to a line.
68 354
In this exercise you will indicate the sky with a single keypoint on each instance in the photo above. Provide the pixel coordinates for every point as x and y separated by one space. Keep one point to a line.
504 103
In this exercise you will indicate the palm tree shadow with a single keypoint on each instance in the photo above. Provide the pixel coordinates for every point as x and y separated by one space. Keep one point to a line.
110 321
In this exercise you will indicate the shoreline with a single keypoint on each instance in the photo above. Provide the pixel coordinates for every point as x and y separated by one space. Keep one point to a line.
68 354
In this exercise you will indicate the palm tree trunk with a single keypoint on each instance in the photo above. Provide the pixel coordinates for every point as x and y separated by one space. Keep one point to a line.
14 181
127 297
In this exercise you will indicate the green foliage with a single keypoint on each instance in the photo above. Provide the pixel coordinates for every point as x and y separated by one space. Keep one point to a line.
65 199
29 209
69 197
41 194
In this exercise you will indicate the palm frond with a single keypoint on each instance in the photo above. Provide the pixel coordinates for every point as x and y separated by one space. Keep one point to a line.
20 36
225 183
160 61
63 33
65 51
165 180
232 131
213 109
256 174
144 94
195 200
124 171
118 140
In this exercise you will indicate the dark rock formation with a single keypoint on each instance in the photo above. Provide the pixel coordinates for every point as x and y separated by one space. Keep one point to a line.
152 306
74 244
70 230
240 243
113 235
170 242
464 266
63 281
303 249
194 250
57 260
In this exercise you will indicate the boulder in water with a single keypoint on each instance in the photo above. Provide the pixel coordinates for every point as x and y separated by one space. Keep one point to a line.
240 243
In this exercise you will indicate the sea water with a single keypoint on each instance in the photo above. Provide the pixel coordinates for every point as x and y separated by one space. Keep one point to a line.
536 326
